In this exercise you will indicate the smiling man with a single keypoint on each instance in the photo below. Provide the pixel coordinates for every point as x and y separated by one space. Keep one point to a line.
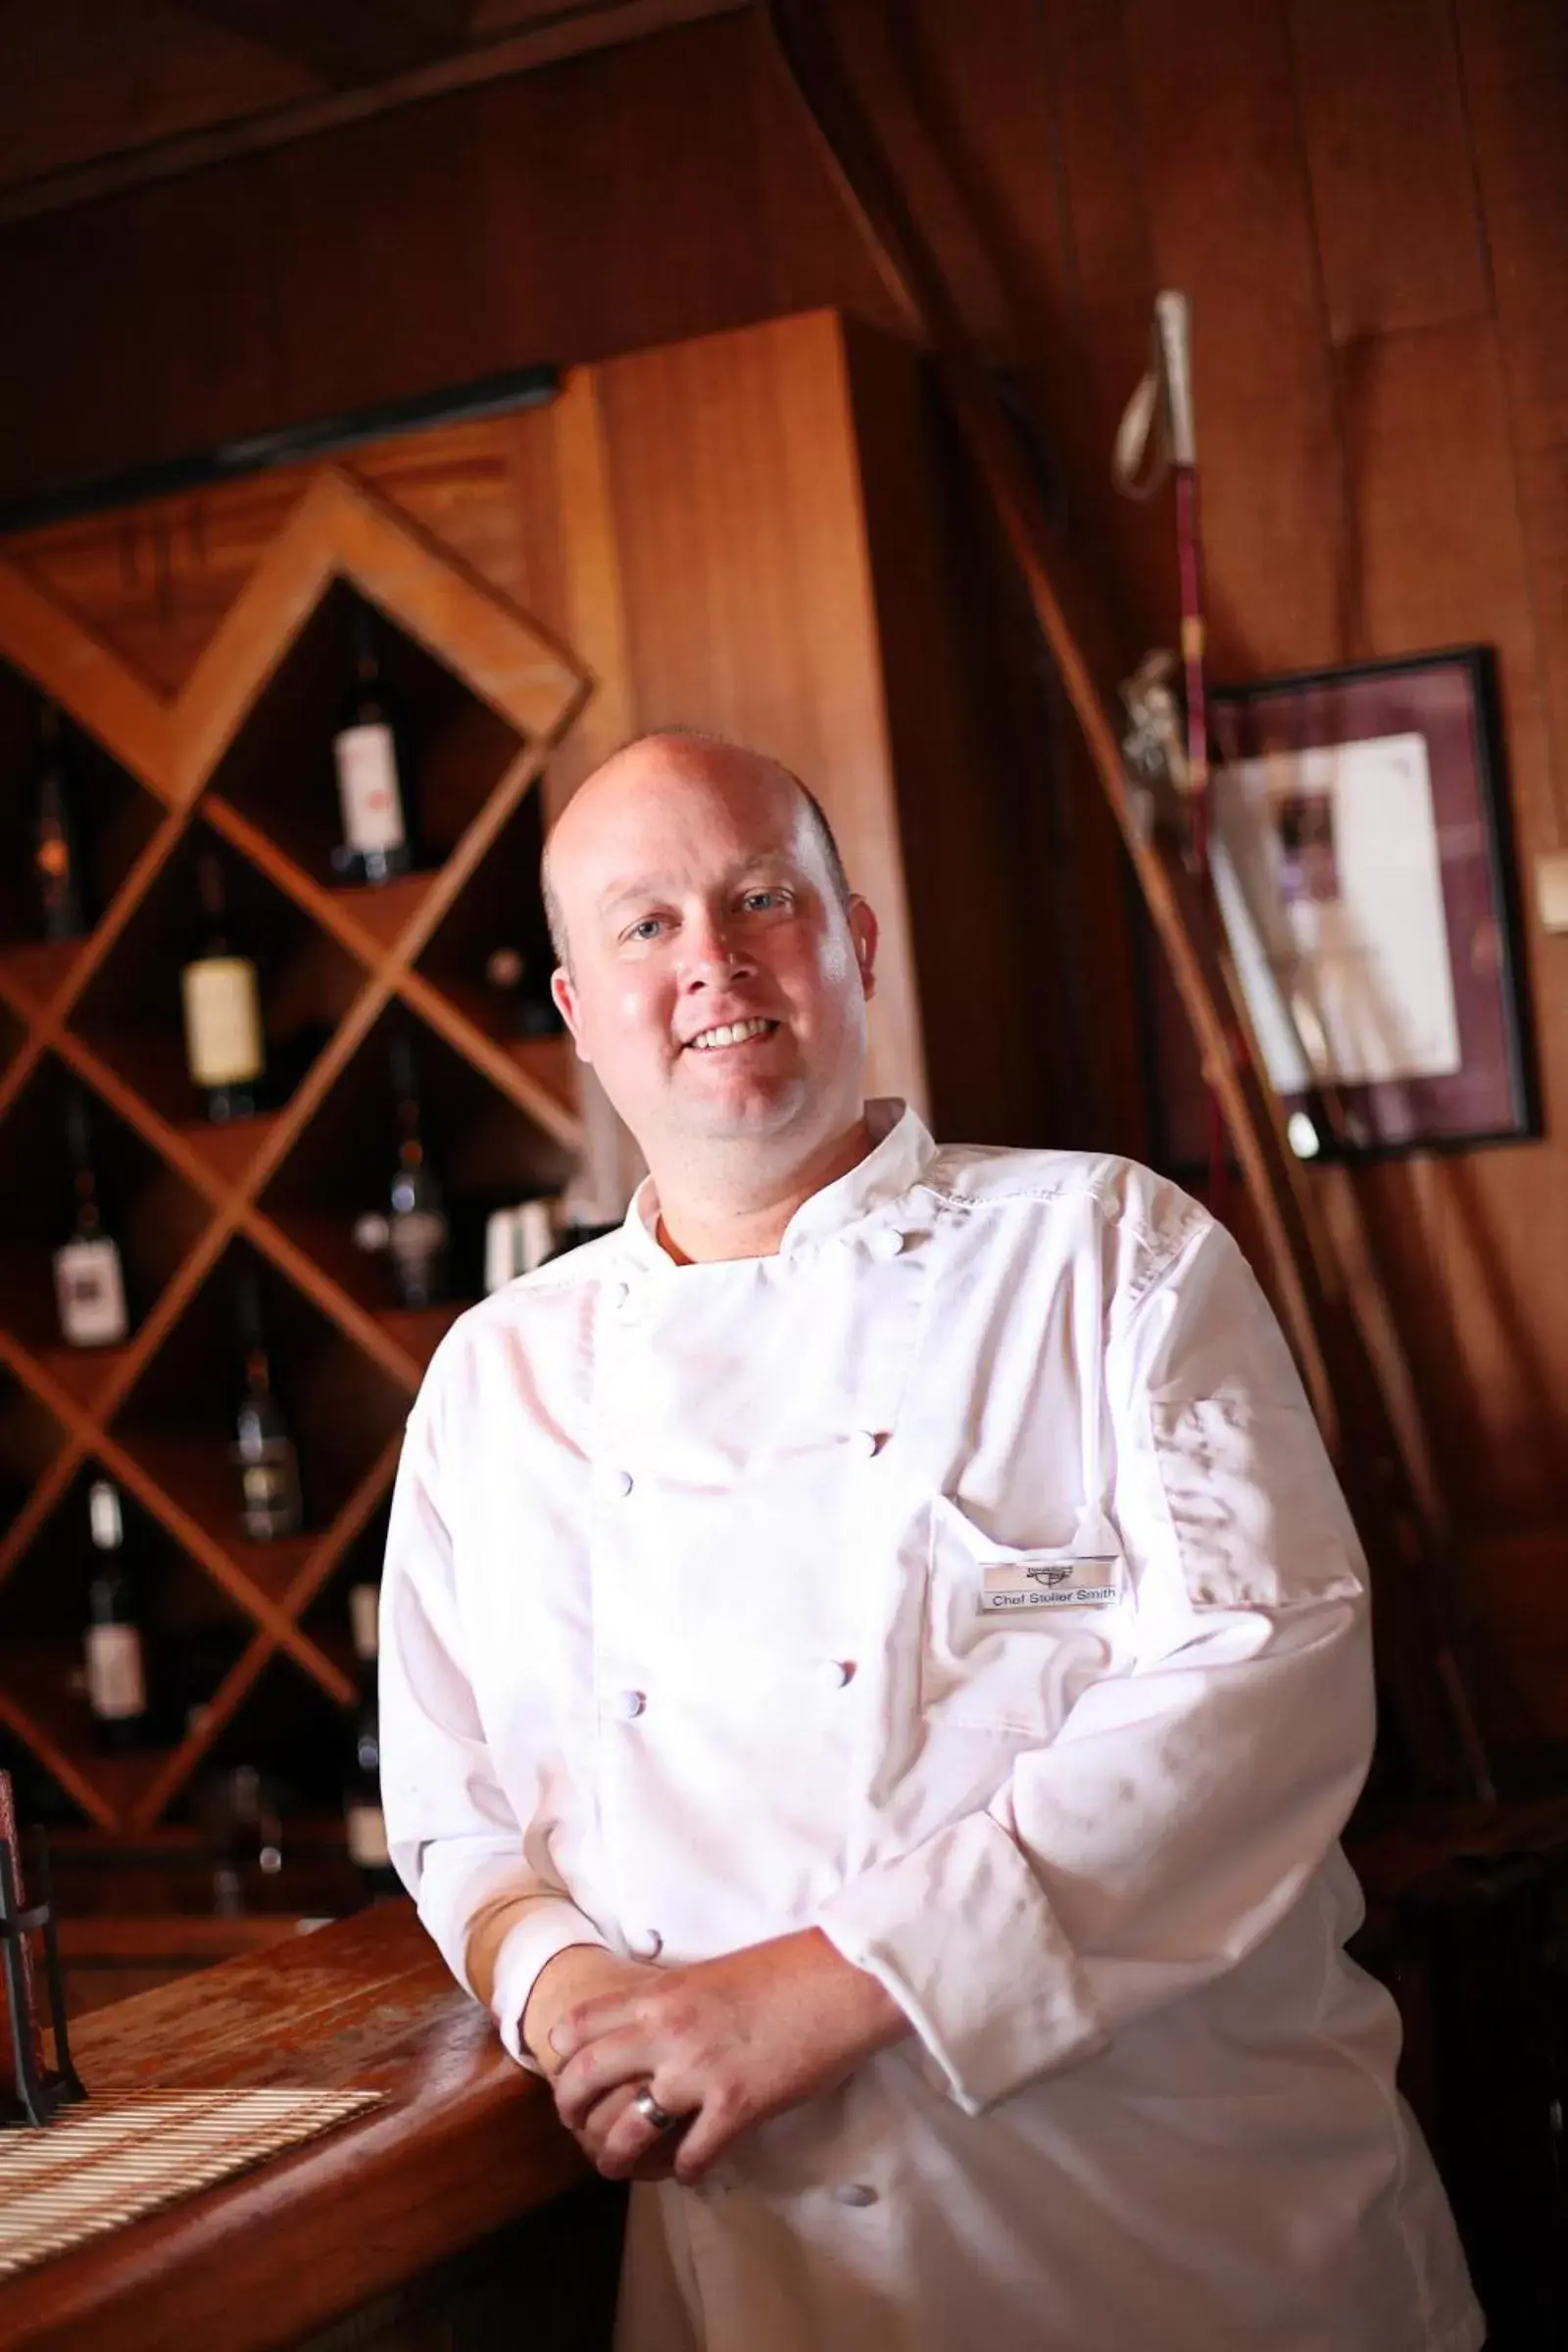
874 1671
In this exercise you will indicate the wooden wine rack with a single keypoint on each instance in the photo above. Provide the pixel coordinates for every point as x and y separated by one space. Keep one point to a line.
221 756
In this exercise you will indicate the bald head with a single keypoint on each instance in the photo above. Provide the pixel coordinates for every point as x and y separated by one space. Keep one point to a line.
659 761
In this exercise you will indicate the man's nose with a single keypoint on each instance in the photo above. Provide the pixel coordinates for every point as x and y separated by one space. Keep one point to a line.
714 953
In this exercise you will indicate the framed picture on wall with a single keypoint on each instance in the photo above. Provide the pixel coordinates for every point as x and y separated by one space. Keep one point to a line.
1363 871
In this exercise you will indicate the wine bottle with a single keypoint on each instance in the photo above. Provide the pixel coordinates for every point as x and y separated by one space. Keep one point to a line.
57 873
519 1239
364 1818
418 1233
116 1675
264 1452
224 1049
89 1279
371 772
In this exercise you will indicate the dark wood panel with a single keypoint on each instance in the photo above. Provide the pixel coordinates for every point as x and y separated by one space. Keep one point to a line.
382 274
1515 57
149 326
83 82
1442 562
1543 503
1109 296
1393 182
1231 224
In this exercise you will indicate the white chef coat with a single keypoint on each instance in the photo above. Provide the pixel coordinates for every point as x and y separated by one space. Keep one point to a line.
966 1579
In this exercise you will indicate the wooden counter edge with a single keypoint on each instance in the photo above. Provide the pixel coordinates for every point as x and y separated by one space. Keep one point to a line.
464 2143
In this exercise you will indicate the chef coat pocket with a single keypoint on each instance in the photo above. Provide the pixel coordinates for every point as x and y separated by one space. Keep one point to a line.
1011 1632
1258 1516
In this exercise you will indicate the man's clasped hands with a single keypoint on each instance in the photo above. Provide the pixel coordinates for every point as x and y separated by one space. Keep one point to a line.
719 2045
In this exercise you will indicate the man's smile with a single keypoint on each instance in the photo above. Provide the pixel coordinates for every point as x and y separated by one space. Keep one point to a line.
730 1033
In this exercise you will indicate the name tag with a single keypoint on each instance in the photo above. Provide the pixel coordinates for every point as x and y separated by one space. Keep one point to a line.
1012 1587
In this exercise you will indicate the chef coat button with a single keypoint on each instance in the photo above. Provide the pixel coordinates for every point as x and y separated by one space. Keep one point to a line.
645 1944
835 1673
854 2193
629 1704
625 1482
867 1442
887 1242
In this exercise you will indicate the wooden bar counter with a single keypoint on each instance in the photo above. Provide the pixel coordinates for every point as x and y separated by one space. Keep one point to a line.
460 2215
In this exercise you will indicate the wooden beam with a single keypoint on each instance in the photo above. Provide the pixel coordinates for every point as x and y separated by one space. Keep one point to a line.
567 32
347 42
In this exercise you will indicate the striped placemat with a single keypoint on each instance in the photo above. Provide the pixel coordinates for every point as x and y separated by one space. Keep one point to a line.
101 2165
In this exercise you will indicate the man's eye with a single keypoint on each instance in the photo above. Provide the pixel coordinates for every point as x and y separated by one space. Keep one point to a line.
761 900
646 928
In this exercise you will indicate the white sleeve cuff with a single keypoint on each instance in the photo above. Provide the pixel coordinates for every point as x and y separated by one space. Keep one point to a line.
545 1926
960 1934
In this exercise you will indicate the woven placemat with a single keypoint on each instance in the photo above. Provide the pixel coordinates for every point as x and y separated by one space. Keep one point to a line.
98 2166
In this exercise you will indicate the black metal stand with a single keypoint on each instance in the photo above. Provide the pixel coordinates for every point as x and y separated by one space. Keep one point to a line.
39 2094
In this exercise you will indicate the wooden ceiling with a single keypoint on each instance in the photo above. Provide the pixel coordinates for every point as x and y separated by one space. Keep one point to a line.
347 42
95 95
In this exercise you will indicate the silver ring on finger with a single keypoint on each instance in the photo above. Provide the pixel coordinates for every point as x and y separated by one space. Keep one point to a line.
648 2107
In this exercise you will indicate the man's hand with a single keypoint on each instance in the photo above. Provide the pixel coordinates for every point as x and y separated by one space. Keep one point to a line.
724 2044
582 1973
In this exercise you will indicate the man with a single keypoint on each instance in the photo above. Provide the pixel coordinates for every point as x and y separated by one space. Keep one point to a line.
875 1669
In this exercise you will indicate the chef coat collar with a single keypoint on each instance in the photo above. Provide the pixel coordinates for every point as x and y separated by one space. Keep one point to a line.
902 1150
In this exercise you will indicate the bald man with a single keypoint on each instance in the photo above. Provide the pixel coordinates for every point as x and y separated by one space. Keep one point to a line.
874 1669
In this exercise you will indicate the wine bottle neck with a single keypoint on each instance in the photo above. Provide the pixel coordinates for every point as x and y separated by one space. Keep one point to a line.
366 649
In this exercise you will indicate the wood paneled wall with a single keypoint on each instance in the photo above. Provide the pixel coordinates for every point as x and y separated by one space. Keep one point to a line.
1368 203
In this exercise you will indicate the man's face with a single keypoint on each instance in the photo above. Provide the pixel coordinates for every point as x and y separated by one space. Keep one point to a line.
717 984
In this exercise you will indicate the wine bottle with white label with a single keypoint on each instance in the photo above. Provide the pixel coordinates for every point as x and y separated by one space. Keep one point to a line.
264 1451
363 1819
89 1276
226 1051
372 776
117 1666
57 876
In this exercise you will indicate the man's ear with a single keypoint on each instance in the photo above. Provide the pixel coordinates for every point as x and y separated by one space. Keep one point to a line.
865 933
566 997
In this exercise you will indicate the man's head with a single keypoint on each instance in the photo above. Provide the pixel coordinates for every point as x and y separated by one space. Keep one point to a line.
714 965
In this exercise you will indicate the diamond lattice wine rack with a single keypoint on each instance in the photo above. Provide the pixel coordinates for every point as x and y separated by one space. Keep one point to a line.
240 759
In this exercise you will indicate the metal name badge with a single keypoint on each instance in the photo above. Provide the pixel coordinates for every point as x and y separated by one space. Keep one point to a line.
1049 1581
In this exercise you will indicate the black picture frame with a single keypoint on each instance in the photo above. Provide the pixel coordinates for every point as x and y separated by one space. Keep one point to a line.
1450 699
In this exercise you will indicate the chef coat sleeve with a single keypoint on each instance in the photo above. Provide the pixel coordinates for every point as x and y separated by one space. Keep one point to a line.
1188 1801
455 1838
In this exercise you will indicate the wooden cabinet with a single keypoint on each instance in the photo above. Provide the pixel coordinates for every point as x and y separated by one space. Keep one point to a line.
746 533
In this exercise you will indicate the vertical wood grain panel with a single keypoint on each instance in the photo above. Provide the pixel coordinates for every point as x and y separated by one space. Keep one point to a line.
382 261
1515 60
1438 520
1387 148
1444 560
748 593
1231 224
1544 502
137 330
